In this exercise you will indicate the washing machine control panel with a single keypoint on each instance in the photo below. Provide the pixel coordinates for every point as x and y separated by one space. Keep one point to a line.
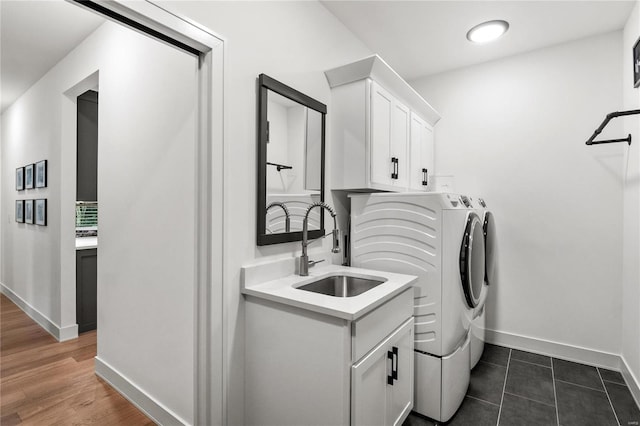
465 201
482 203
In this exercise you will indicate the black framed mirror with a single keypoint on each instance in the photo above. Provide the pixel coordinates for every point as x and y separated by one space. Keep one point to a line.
291 149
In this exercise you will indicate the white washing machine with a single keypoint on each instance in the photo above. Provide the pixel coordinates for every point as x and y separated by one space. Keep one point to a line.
438 238
478 320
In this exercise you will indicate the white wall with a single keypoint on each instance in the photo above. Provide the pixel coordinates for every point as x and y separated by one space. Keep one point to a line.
513 132
631 211
293 42
146 184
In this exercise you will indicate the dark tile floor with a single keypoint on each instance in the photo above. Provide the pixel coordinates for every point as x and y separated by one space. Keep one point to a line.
512 387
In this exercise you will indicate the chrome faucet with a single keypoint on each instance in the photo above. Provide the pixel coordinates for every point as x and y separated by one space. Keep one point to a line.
304 259
287 216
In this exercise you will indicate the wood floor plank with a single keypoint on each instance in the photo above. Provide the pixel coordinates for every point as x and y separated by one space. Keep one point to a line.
45 382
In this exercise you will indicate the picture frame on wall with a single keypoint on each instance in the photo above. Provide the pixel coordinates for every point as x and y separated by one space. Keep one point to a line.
41 212
20 211
28 211
41 174
28 176
636 63
20 179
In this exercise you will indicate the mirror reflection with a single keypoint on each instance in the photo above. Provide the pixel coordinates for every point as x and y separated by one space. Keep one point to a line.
291 148
293 164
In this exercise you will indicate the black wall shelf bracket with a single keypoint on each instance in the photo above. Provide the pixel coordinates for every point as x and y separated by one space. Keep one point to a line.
608 118
279 166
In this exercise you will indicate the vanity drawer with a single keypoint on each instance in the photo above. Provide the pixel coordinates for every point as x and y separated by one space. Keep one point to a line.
371 329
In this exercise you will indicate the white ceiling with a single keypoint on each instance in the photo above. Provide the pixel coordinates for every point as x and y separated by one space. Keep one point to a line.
34 36
419 38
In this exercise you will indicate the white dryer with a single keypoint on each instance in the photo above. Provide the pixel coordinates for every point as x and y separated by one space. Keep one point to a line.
438 238
478 321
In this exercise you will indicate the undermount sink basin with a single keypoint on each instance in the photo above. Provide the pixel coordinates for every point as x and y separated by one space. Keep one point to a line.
342 285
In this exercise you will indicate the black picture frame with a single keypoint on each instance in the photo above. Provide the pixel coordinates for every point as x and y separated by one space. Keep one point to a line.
636 64
28 211
40 212
29 171
20 179
20 211
41 174
266 84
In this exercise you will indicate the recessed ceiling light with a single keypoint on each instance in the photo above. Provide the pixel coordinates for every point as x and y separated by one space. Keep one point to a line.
487 31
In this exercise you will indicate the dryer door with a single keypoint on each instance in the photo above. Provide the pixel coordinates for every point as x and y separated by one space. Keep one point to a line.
472 261
489 230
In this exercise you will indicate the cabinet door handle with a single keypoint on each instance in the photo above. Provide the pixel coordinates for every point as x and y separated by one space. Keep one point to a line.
425 177
394 162
390 376
394 370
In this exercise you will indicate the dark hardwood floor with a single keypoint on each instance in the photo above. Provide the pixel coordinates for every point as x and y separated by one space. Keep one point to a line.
44 382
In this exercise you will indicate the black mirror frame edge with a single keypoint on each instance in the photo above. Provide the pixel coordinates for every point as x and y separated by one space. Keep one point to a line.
267 83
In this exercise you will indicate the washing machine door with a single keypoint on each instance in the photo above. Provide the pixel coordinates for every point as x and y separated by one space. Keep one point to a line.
472 260
489 230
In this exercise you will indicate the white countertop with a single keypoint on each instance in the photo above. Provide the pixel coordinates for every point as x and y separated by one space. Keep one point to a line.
284 290
85 243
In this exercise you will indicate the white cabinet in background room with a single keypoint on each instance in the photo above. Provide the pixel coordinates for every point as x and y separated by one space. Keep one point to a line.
304 367
382 129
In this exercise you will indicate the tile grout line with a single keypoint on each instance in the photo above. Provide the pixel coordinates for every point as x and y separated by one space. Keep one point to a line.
504 387
529 399
531 363
608 398
481 400
580 386
555 396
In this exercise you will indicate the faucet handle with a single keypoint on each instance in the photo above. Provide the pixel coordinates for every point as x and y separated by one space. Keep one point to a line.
336 241
314 262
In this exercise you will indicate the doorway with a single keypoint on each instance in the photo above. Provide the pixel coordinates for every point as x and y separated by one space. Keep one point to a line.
138 205
87 211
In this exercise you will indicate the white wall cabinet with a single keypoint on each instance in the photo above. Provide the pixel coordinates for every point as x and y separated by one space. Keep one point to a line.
389 138
382 130
308 368
422 154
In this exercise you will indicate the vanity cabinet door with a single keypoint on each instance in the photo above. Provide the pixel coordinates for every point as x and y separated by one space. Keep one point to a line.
422 153
400 400
382 381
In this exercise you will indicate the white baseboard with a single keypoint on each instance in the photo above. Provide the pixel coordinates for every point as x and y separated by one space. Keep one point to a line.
632 381
152 408
555 349
60 333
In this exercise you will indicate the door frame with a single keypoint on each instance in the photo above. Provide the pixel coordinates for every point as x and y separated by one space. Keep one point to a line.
210 378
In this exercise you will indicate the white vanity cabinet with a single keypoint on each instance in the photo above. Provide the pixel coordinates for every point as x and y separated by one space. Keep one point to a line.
311 368
381 382
382 129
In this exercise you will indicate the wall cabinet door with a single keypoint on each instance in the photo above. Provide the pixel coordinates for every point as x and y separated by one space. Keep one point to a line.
390 127
422 153
381 135
400 125
382 382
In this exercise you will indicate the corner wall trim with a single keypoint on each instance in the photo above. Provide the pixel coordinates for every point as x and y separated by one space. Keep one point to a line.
147 404
60 333
555 349
632 381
